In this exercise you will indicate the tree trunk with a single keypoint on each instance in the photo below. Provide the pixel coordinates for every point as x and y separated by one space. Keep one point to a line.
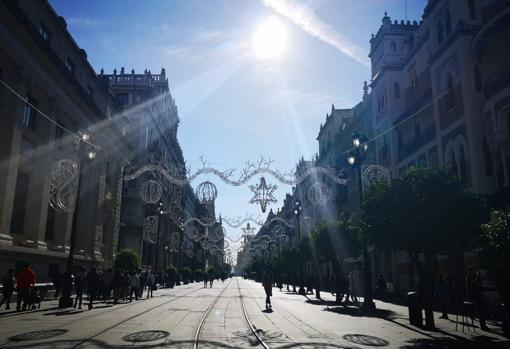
428 290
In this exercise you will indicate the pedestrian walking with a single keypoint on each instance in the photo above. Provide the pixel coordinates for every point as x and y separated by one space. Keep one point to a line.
151 283
205 281
380 286
441 293
24 281
116 286
92 285
267 283
79 286
143 282
352 287
211 280
135 285
479 300
107 283
7 289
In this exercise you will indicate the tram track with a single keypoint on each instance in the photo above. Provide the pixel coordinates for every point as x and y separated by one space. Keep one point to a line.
196 337
85 340
247 319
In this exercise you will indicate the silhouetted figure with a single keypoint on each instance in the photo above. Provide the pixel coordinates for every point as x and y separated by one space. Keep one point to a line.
441 293
7 289
380 286
267 283
470 276
24 281
79 286
478 299
93 285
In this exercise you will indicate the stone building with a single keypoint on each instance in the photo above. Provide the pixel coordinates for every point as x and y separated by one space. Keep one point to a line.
48 95
152 132
441 86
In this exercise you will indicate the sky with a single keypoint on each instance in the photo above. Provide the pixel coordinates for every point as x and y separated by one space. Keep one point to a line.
235 106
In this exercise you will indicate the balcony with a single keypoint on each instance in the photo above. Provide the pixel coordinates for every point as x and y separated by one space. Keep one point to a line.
417 142
498 81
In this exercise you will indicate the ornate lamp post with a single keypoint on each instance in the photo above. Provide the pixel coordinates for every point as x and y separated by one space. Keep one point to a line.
161 212
355 159
297 212
83 150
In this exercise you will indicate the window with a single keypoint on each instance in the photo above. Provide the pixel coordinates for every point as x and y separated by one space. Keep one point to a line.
90 91
50 224
393 46
396 87
122 98
440 32
448 23
472 9
45 33
478 78
20 203
450 96
59 134
29 113
489 170
70 66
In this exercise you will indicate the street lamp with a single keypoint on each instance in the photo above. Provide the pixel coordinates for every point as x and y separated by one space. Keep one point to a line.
161 212
297 212
355 159
65 300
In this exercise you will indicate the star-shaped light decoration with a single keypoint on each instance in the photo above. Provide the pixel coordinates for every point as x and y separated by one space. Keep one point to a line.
263 194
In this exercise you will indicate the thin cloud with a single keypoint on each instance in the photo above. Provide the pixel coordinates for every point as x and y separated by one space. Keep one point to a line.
83 22
304 17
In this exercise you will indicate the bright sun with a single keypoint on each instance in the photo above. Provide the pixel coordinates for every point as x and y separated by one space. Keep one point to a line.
270 39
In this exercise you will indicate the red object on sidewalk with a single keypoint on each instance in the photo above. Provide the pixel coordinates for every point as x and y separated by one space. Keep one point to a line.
25 278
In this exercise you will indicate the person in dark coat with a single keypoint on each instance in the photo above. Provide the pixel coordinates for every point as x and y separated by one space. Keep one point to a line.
267 282
479 300
7 289
79 286
93 282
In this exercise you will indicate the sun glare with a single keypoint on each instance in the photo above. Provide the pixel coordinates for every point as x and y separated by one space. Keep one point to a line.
270 39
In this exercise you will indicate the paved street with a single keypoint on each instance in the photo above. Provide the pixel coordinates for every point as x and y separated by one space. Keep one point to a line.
230 315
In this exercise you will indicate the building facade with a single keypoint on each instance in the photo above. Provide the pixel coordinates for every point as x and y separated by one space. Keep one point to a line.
49 95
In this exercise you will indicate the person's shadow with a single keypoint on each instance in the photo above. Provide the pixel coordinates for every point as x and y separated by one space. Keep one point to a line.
270 310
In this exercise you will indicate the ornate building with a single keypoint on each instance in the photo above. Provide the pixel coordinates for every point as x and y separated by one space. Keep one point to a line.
48 92
441 86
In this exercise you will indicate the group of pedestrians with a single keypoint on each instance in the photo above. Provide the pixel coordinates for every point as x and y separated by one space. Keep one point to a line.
104 285
24 284
449 296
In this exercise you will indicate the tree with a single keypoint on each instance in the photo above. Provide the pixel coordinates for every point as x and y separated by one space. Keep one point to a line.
333 243
494 253
186 274
127 260
426 212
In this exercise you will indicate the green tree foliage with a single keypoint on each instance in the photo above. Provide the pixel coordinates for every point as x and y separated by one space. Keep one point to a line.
494 253
425 212
127 260
186 274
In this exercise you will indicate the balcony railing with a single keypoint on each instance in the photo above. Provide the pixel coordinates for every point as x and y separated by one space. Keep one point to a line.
427 135
497 81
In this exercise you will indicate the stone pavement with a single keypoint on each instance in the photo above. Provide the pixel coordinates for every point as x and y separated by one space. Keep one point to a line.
190 316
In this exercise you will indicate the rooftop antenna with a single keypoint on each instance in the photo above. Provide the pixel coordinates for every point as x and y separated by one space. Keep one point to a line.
405 7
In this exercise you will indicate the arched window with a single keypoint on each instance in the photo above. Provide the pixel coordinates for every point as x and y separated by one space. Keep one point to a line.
452 162
448 23
489 170
440 32
478 78
450 94
393 46
462 165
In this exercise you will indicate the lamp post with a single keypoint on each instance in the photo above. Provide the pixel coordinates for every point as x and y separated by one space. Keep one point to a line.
297 212
161 212
65 300
355 159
